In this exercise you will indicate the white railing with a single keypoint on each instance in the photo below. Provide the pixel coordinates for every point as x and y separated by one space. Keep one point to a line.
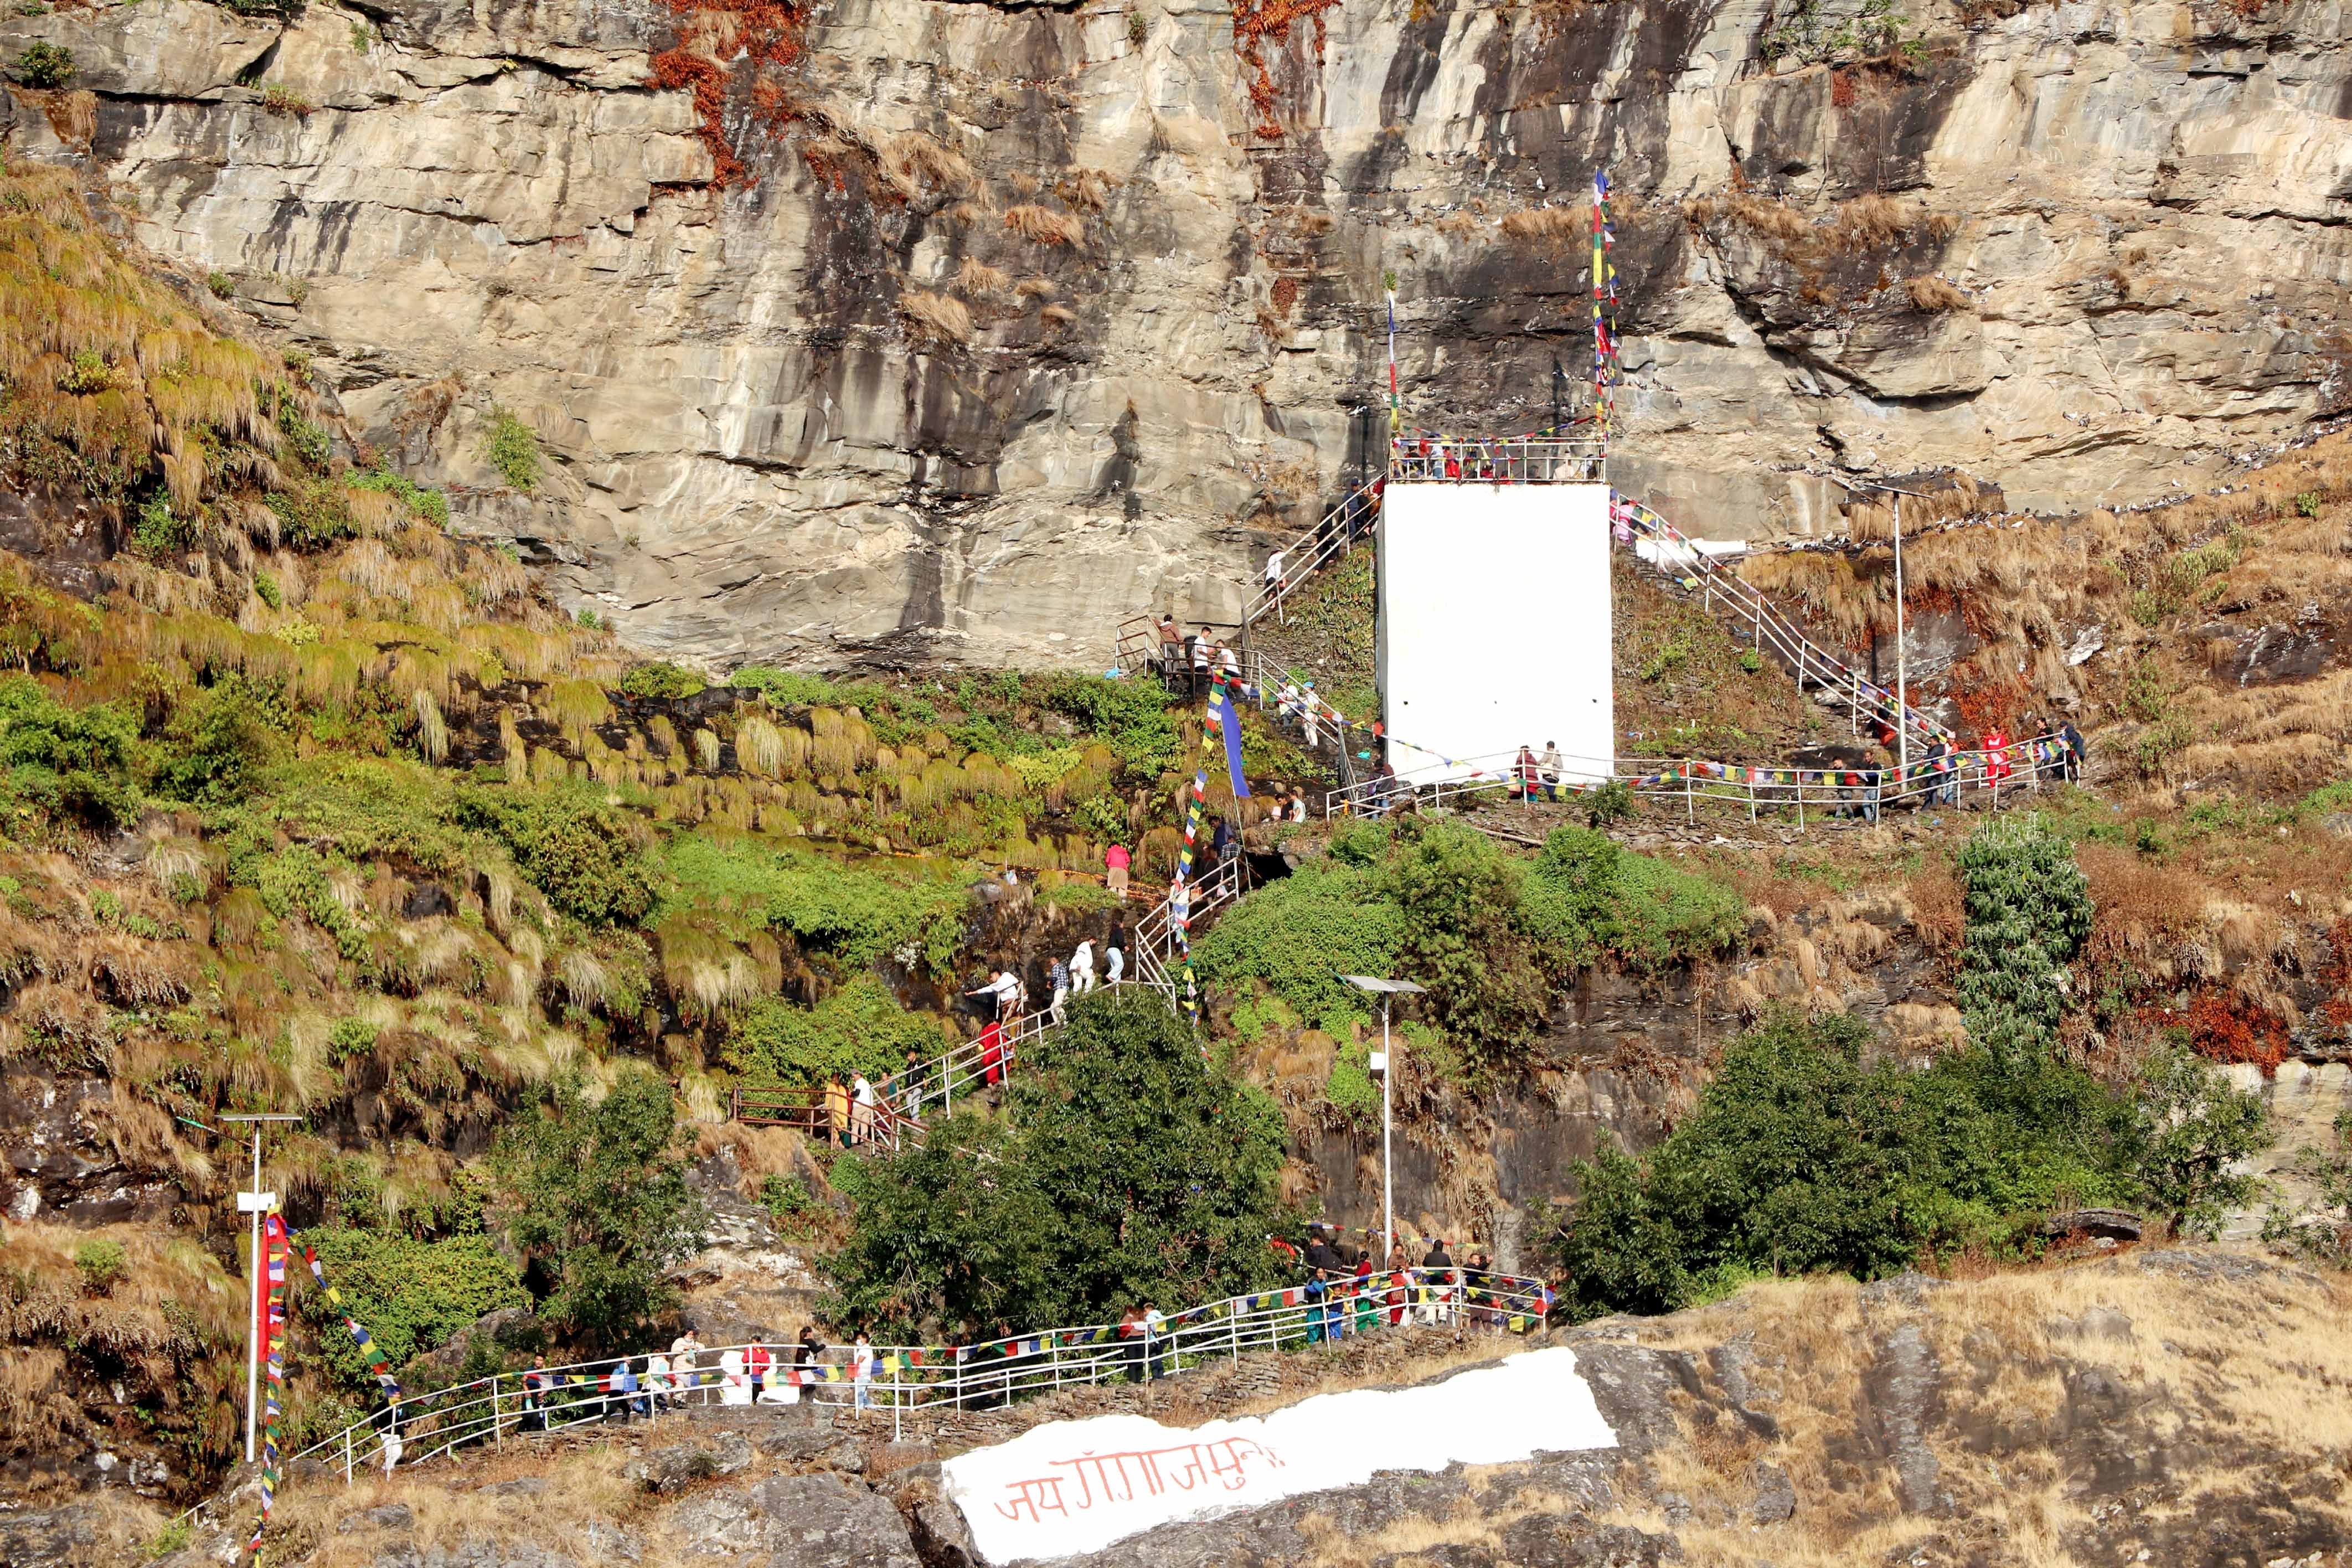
1307 551
1742 603
491 1412
1692 781
1499 460
897 1120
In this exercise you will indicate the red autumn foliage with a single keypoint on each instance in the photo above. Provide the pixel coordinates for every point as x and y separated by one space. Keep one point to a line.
1841 89
2338 977
1260 20
1986 707
2226 1028
766 32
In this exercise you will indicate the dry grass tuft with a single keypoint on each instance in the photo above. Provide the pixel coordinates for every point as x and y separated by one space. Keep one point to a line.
914 164
979 281
1043 226
1545 224
941 318
1932 294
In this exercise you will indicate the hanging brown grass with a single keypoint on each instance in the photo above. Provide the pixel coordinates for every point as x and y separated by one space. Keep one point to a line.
1931 294
1545 224
1088 189
432 728
914 164
706 974
978 281
941 318
512 753
706 749
1036 289
1043 226
1062 316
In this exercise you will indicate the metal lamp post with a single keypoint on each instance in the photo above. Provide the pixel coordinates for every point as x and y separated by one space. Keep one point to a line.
1384 990
1902 661
258 1204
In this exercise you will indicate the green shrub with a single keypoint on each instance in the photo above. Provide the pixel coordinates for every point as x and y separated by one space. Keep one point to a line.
1458 893
2027 910
431 506
217 740
850 913
1665 916
265 589
222 285
71 762
587 620
1803 1157
1133 718
100 1262
859 1029
349 1037
311 510
160 531
583 854
2307 504
279 100
1297 936
44 65
661 679
411 1296
1611 802
512 449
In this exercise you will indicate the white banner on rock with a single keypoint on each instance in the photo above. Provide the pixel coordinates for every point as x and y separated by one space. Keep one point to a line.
1073 1487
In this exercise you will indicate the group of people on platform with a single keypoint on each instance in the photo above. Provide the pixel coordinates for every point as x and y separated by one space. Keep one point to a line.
1186 661
756 1373
1348 1291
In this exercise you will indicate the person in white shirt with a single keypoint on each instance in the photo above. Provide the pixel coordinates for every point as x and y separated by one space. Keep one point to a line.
1297 808
682 1352
861 1371
1001 988
1274 572
1082 967
862 1100
735 1386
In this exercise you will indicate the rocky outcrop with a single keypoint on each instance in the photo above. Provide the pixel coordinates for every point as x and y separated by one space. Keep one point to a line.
1019 318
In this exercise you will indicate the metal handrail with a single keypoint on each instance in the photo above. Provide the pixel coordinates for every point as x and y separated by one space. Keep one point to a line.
1775 630
2022 765
1499 460
1307 551
486 1412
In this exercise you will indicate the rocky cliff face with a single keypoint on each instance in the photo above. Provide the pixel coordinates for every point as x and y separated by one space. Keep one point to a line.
1015 319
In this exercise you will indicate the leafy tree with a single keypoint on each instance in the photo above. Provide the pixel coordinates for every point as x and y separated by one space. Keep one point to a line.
859 1029
598 1202
1135 1170
1804 1156
1133 718
2027 910
1298 935
661 679
1460 897
2195 1126
954 1236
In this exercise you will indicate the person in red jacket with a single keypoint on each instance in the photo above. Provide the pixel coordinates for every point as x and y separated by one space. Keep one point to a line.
1996 748
756 1362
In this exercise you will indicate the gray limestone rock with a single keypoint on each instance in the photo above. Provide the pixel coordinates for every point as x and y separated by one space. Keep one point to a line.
790 1521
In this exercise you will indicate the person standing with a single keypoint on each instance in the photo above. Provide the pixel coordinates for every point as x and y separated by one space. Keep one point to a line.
658 1384
1130 1335
910 1084
1525 775
534 1395
1155 1342
861 1371
1943 782
1220 841
808 1357
1115 861
1310 716
2078 751
863 1102
1057 982
1115 954
1082 967
837 1112
1001 990
1171 651
1400 1268
1274 576
1996 750
1553 771
992 1054
683 1351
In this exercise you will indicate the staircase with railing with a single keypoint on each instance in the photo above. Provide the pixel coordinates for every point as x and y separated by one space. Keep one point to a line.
895 1120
